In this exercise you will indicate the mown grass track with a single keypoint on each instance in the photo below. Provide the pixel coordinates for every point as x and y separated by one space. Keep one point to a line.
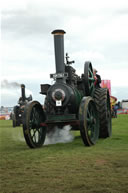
64 168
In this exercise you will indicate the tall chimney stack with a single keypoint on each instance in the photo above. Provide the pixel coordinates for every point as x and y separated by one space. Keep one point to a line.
59 50
23 92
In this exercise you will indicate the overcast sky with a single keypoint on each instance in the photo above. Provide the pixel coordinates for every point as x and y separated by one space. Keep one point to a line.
96 30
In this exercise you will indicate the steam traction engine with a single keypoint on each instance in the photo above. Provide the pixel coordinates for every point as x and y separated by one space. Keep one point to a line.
19 109
72 100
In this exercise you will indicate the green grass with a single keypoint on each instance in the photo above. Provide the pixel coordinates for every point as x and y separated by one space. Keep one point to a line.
64 168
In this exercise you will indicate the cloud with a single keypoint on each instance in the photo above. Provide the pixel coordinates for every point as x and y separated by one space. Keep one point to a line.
118 77
13 4
95 31
123 11
120 92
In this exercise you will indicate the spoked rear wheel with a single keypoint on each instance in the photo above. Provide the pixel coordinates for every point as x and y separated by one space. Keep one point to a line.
88 79
89 121
34 132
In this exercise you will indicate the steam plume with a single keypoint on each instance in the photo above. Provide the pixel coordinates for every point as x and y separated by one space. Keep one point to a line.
6 84
59 136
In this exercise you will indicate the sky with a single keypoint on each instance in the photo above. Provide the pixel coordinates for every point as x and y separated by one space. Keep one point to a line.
96 31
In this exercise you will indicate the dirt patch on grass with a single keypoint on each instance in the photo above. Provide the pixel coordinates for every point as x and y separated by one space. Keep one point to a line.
101 162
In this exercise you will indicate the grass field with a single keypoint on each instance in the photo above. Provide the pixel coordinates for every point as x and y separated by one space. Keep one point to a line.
64 168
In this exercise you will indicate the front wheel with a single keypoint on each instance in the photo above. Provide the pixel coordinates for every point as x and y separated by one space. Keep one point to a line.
15 116
13 120
89 121
34 128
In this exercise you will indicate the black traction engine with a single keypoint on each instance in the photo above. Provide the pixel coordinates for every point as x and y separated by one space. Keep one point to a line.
73 100
17 115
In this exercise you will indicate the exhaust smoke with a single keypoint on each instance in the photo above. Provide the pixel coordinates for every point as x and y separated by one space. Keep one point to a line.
6 84
58 135
10 92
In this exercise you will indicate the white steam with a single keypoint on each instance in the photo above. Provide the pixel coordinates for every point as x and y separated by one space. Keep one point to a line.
58 135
